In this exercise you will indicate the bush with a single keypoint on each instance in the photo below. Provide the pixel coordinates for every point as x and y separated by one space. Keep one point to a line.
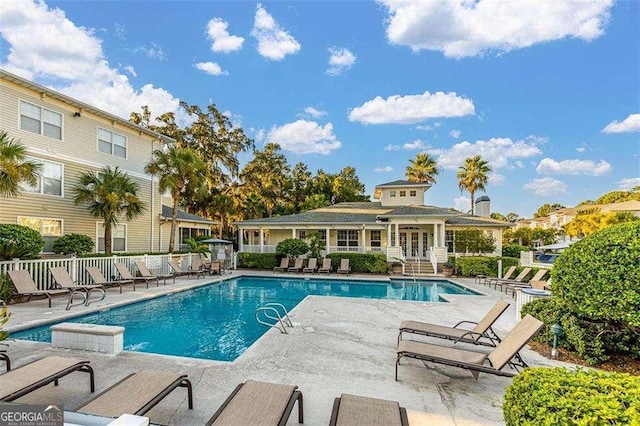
19 241
76 244
597 280
258 260
361 262
473 241
513 250
555 396
6 288
292 247
470 266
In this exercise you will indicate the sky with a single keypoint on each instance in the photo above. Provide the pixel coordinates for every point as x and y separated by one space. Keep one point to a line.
548 92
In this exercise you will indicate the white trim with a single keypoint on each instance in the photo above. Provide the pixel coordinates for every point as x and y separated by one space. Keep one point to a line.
20 100
40 177
99 235
126 143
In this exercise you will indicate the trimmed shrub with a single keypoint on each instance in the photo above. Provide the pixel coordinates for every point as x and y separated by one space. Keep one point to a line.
473 241
19 241
367 263
6 288
556 396
73 244
513 250
258 260
470 266
292 247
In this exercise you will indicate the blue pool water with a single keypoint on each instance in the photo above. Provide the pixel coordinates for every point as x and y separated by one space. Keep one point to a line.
218 321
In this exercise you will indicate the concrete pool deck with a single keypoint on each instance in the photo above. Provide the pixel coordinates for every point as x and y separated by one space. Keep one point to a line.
338 345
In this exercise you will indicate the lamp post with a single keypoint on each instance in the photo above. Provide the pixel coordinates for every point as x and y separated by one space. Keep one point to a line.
556 330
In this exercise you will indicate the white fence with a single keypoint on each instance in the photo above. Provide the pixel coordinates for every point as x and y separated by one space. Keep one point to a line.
39 268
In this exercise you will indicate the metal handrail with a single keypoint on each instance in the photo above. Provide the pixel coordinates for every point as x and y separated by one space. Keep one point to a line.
284 311
279 325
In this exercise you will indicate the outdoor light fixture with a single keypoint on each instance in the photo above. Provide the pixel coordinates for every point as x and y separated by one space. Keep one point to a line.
556 330
77 114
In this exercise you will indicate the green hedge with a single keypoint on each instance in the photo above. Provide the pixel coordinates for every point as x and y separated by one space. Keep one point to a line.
361 263
258 260
513 250
557 396
19 241
470 266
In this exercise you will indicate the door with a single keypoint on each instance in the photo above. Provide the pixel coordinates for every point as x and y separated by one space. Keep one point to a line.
410 243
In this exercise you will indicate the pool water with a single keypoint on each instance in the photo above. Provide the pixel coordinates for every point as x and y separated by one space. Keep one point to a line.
218 321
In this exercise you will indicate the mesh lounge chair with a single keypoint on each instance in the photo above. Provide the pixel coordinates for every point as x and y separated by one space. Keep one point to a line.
473 361
284 265
25 286
145 272
125 274
326 266
64 280
344 267
513 286
25 379
297 266
259 403
4 357
98 278
179 272
353 410
484 279
136 394
481 334
312 265
503 281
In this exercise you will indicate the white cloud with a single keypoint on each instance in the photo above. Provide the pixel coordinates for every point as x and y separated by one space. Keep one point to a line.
305 137
496 151
391 147
519 164
461 28
628 184
42 44
341 60
583 148
131 70
314 112
210 68
152 52
412 108
546 186
462 204
258 134
385 169
223 42
455 133
573 167
273 41
415 145
496 179
628 125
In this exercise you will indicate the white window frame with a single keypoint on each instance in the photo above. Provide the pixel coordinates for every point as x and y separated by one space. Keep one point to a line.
27 188
126 143
349 238
100 234
18 221
42 108
377 240
392 194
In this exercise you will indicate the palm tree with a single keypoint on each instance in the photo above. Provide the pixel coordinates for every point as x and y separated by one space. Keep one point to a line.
179 169
423 169
109 194
14 169
473 176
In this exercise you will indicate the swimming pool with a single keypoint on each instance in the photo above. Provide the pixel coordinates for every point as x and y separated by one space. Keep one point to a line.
217 321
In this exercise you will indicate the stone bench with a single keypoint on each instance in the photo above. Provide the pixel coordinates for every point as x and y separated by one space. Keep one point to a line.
107 339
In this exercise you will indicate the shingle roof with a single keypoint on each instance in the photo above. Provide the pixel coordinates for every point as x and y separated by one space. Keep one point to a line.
420 211
466 219
167 213
402 183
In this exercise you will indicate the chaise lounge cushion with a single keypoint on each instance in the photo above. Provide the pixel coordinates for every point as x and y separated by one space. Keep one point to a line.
353 410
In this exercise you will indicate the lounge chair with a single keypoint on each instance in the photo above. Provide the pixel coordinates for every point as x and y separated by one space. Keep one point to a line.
297 266
326 266
344 267
502 281
259 403
125 274
353 410
513 286
179 272
145 272
25 286
312 265
136 394
284 265
29 377
4 357
483 279
481 334
98 278
473 361
63 280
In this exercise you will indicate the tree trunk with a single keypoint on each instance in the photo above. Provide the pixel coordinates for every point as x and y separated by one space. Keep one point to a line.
107 238
174 222
472 203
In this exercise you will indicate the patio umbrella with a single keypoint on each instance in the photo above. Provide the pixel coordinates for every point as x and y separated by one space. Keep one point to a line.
215 241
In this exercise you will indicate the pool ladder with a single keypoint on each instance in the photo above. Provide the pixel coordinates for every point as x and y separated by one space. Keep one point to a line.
272 311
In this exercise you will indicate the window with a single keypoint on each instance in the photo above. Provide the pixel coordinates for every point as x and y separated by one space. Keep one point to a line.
191 233
448 240
112 143
347 238
392 194
118 237
403 193
50 179
50 229
302 235
40 120
412 193
375 238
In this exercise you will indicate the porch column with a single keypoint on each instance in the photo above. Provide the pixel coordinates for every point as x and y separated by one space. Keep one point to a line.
328 232
364 240
389 235
240 239
293 232
397 230
261 240
442 235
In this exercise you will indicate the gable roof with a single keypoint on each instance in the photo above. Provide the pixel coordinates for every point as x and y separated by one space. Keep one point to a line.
167 214
469 220
402 183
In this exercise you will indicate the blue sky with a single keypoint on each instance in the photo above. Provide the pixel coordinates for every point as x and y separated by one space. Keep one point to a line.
548 92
